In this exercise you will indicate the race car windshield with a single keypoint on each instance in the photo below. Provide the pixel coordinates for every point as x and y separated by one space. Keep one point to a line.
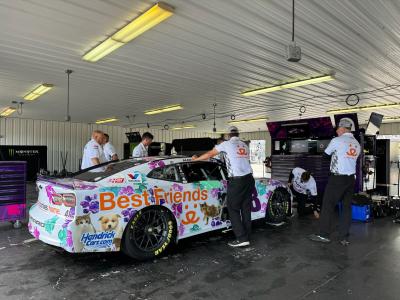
103 171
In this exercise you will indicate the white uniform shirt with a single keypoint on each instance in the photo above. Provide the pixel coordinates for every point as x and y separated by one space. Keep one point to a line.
236 157
303 187
140 151
92 150
109 151
345 150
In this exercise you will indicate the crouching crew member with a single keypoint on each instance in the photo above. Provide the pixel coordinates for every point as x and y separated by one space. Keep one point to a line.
344 151
304 189
240 184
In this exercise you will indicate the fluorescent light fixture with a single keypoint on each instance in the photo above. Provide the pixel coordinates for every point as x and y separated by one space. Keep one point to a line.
361 108
294 124
163 109
7 111
38 91
109 120
180 127
153 16
248 120
392 118
101 50
288 85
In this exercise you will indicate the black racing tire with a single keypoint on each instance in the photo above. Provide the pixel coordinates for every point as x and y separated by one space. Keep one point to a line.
278 206
149 233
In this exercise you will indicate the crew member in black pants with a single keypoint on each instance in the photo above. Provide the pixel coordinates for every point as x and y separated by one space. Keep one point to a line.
344 150
304 189
240 185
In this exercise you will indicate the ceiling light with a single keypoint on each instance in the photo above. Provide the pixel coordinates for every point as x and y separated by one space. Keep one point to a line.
163 109
7 111
155 15
180 127
109 120
38 91
391 118
101 50
361 108
288 85
248 120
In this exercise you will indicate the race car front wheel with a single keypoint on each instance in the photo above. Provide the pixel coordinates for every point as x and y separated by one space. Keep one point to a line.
278 206
149 233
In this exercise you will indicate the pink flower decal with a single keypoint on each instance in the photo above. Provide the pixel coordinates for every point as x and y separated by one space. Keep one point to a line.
177 210
36 233
156 164
69 239
177 187
181 229
50 192
263 207
30 227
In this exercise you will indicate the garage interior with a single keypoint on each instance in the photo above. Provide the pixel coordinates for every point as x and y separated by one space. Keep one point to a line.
283 72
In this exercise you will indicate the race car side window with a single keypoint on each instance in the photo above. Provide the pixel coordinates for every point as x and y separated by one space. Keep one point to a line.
200 171
168 173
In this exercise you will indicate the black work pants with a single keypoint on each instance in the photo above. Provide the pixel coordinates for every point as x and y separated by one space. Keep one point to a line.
339 187
239 205
302 200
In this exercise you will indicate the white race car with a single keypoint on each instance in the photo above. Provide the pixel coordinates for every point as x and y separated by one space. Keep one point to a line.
141 206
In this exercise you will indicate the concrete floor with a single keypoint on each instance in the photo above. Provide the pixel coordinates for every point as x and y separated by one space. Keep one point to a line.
280 264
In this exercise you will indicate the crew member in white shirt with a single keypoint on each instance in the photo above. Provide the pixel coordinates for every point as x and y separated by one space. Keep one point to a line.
109 150
93 153
240 184
141 150
304 189
344 151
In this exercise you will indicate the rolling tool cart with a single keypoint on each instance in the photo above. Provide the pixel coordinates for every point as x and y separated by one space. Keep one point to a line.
13 191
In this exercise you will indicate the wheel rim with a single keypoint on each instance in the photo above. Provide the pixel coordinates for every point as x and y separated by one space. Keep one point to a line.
279 204
150 231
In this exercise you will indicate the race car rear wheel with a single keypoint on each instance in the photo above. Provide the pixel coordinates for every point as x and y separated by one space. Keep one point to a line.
278 206
149 233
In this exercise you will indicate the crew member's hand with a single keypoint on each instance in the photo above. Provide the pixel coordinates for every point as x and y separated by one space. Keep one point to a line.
194 157
316 214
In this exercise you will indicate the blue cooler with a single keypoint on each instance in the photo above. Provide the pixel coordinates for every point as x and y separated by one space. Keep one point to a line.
361 212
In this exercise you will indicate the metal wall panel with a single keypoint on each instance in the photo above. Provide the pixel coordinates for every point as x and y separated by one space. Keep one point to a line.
71 137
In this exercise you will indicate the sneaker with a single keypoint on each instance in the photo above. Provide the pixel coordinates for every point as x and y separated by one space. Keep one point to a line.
236 243
344 242
318 238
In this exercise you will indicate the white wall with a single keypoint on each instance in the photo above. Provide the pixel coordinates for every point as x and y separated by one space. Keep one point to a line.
71 137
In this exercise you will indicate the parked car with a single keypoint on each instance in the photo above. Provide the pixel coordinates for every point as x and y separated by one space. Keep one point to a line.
141 206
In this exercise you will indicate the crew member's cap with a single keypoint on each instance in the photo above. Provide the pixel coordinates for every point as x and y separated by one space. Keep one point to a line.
345 123
233 129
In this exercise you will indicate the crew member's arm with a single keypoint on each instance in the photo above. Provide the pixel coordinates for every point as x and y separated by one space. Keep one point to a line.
114 155
206 155
137 152
94 154
95 161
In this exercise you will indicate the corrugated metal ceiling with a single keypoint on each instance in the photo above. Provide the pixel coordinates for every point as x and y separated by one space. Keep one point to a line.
209 51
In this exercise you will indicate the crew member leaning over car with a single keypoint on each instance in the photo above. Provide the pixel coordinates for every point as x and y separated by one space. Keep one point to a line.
141 150
240 184
344 150
304 189
93 153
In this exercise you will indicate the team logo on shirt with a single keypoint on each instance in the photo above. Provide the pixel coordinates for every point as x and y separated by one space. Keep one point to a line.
352 152
241 151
